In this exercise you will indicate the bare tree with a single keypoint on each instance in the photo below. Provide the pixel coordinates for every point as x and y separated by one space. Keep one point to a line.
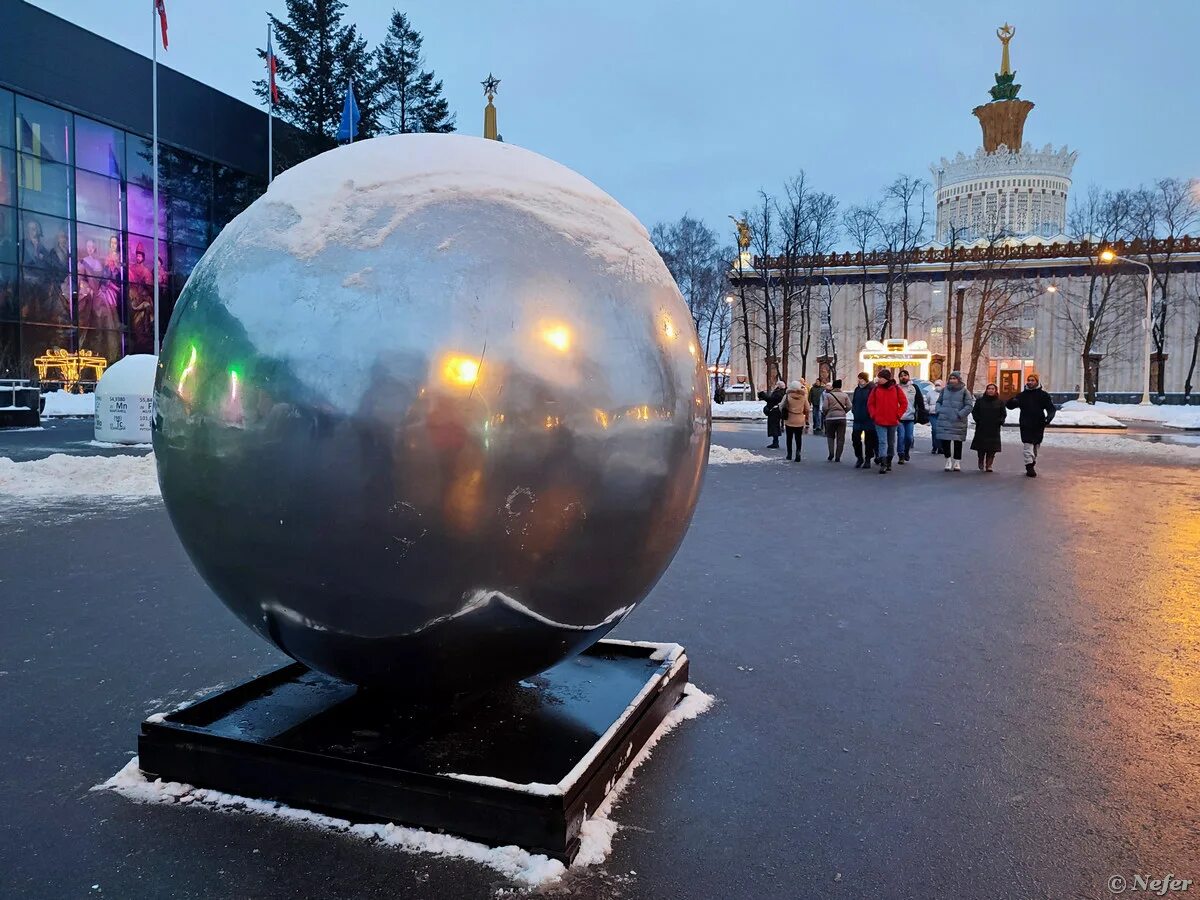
1101 310
953 312
1168 210
1190 291
823 233
697 262
904 217
764 237
793 213
861 226
829 347
997 300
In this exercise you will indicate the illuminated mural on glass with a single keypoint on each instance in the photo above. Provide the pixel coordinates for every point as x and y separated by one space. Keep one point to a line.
76 233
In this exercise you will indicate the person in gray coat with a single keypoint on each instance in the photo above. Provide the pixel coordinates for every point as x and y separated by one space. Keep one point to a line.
953 410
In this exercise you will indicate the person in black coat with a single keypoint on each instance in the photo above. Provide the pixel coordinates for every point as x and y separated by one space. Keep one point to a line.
1037 411
862 434
773 412
989 415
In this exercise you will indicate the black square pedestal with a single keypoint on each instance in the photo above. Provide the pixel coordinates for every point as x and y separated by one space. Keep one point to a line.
521 765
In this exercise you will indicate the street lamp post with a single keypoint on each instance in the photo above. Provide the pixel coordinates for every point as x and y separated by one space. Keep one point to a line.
1109 256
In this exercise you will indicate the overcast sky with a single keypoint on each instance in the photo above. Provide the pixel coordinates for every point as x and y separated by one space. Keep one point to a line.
677 106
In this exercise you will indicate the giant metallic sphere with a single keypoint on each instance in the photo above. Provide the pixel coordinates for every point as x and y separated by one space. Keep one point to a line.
431 414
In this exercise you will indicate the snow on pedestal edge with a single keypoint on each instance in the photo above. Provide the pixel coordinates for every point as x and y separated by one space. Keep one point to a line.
529 869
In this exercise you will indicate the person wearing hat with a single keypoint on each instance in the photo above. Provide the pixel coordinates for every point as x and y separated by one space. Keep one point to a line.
953 411
931 400
795 411
773 413
989 415
954 408
912 416
862 433
836 404
886 404
1037 411
815 395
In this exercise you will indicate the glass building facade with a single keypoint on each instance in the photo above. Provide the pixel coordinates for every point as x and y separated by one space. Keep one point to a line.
77 231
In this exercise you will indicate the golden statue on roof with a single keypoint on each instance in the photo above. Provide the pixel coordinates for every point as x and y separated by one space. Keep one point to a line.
1005 33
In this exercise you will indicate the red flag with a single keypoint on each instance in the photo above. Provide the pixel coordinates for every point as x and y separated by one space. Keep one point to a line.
271 66
161 7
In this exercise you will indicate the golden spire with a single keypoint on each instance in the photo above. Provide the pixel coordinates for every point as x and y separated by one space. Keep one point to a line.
1005 34
490 131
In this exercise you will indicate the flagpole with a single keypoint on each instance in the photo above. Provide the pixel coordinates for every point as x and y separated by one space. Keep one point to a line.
270 109
154 44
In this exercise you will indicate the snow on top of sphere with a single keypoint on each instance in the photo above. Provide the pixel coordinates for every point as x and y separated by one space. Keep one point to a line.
361 193
132 375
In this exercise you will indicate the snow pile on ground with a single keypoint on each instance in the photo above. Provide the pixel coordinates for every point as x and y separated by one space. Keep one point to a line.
61 403
1072 418
722 456
1104 443
527 868
362 193
60 475
1168 416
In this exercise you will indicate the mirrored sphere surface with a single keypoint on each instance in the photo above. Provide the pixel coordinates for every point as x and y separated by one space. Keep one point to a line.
431 414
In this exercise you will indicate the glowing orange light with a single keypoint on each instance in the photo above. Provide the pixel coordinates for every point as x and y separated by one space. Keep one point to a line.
461 370
692 349
669 328
558 337
601 418
1107 255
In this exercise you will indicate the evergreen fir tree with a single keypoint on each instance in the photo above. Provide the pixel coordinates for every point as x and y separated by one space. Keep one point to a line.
316 57
410 96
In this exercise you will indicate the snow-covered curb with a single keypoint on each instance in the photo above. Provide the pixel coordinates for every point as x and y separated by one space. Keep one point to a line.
1186 417
60 403
1127 446
738 410
531 869
61 475
1071 418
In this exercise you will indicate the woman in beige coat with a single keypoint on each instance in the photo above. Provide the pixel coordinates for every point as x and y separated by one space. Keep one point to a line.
796 410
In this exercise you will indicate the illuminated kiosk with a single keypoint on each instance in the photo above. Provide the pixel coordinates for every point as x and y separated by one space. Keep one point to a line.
896 354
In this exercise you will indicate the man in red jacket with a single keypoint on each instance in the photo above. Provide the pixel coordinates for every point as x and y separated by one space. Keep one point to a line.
886 404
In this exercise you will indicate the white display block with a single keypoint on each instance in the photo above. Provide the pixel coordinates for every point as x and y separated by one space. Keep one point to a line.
125 401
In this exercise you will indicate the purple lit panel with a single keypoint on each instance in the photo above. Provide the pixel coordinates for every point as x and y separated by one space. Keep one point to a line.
141 211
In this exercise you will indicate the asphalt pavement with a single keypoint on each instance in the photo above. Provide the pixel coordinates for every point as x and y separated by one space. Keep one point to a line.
929 685
75 436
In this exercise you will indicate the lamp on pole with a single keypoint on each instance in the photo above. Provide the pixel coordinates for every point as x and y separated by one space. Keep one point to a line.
1109 256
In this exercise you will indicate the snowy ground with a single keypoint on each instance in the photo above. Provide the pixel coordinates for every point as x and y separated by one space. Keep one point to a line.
1167 416
529 869
1105 443
60 403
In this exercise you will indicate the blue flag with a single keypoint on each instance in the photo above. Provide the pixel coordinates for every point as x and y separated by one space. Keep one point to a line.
348 130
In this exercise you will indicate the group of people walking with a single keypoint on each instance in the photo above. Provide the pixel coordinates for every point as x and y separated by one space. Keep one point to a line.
882 414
